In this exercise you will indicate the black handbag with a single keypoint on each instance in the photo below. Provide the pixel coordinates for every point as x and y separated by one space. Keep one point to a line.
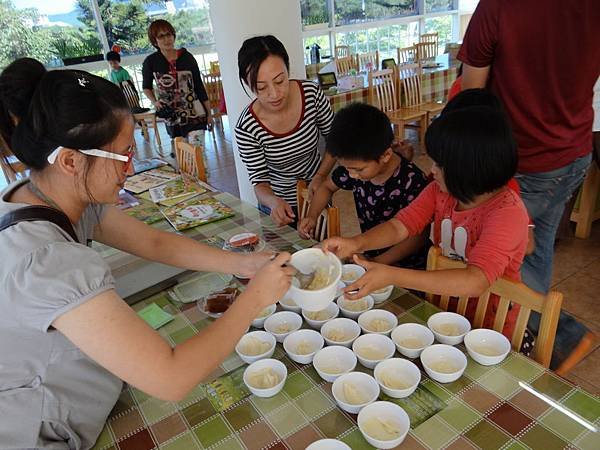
36 213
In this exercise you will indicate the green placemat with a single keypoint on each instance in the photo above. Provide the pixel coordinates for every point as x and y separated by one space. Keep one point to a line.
154 316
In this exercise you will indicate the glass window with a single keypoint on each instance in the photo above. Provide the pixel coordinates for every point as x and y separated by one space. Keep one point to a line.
442 25
438 5
314 12
357 11
323 42
50 32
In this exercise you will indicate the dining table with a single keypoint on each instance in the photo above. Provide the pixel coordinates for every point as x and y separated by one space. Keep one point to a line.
503 406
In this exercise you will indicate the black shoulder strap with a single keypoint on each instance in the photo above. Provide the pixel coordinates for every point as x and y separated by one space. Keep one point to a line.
37 213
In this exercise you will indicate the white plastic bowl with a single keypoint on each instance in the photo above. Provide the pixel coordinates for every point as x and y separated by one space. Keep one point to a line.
351 269
336 356
350 327
342 302
311 337
332 312
487 347
261 336
412 333
389 411
439 321
437 356
328 444
305 261
366 319
259 322
365 384
281 318
402 369
274 364
289 305
382 295
378 341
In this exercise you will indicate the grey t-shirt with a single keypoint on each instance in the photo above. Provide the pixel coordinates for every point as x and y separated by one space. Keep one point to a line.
52 396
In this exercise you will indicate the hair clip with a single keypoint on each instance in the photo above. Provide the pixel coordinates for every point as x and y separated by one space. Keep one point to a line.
83 81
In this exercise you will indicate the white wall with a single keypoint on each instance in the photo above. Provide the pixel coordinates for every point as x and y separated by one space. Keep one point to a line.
233 22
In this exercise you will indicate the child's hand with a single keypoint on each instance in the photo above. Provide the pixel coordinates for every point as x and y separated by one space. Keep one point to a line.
271 282
377 276
314 185
306 228
342 247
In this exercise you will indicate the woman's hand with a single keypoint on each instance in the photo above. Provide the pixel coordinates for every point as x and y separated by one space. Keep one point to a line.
377 276
271 282
314 185
306 228
342 247
282 213
253 262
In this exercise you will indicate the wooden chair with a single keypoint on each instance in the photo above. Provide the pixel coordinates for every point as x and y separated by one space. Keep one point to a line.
426 50
509 291
407 55
215 68
345 65
342 51
410 81
383 94
366 60
214 89
133 100
588 210
190 159
430 37
328 222
12 168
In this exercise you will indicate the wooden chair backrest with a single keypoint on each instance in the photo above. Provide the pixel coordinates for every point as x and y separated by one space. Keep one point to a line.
409 78
426 50
133 99
382 90
342 51
213 86
509 291
328 222
429 37
190 159
345 65
215 68
407 55
368 59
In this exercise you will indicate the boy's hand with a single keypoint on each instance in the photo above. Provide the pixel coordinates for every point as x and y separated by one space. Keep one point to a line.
342 247
377 276
314 185
306 228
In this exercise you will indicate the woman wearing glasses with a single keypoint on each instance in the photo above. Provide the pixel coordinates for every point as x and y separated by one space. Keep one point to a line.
181 94
67 340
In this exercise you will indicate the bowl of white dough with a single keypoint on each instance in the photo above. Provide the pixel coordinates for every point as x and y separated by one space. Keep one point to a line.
265 377
383 424
327 271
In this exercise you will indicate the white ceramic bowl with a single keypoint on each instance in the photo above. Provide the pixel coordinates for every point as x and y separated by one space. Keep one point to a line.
311 338
350 328
343 303
365 385
259 322
277 367
443 363
379 342
283 318
487 347
351 273
328 444
388 411
412 338
340 289
365 320
448 327
382 295
289 305
331 312
342 359
402 370
305 261
261 336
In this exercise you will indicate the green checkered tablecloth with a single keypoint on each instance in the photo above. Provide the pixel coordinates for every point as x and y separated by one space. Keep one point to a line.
485 408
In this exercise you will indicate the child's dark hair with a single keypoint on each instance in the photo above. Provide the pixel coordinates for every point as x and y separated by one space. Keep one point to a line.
360 132
69 108
473 97
113 56
252 54
475 148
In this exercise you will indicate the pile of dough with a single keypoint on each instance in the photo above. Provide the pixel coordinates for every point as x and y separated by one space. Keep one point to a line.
379 325
371 352
254 347
264 378
356 305
391 380
486 350
332 369
288 302
354 395
349 275
320 280
304 348
411 342
382 429
264 313
449 329
337 335
283 328
443 366
318 315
